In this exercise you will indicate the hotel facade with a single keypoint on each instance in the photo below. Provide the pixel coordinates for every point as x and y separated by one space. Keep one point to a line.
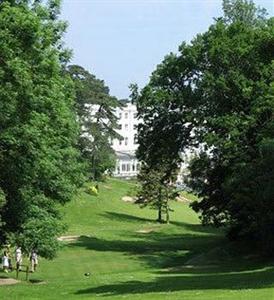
127 165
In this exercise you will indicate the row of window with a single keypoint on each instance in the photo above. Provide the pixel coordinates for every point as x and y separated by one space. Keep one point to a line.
126 126
125 140
126 114
128 168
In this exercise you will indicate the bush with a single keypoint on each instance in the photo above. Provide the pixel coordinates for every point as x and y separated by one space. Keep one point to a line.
92 190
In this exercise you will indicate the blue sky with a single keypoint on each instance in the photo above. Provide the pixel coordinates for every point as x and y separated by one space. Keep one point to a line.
122 41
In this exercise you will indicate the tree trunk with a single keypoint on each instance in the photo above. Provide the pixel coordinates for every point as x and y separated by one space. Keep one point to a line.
93 171
160 207
167 207
167 213
160 214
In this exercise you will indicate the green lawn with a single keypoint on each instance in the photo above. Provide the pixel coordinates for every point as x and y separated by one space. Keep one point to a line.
132 257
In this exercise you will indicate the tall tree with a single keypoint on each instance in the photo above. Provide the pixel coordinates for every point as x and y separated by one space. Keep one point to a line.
156 191
220 87
96 115
238 110
158 150
39 166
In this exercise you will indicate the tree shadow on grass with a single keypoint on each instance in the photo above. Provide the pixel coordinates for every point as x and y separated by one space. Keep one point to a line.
121 217
200 259
256 279
149 243
199 228
201 246
156 249
174 254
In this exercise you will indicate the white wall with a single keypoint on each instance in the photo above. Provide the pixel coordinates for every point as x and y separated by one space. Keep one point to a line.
127 119
128 122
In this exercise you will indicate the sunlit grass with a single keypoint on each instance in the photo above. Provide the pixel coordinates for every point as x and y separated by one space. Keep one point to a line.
130 256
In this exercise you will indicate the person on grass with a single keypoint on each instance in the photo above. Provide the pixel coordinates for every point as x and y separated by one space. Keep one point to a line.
18 258
5 262
8 252
33 260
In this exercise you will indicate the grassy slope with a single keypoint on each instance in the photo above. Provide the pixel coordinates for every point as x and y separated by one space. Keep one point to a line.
182 260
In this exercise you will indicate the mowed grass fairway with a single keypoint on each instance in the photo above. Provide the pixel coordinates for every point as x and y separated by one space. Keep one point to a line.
132 257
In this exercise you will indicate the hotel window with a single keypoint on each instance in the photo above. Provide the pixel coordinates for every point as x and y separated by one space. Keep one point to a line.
126 126
128 167
126 141
135 126
123 167
133 167
120 142
135 115
119 126
120 115
126 115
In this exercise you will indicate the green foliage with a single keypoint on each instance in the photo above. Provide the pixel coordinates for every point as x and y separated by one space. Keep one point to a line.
217 95
38 157
243 11
158 149
37 234
95 110
2 203
238 110
134 93
156 191
160 120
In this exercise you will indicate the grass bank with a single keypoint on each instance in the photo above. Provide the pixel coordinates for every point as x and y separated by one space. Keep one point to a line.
131 257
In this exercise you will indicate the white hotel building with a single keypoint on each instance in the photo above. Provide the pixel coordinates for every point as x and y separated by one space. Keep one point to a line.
126 165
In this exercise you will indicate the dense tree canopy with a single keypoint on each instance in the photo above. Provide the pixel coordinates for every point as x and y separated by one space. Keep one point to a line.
95 109
39 165
158 150
217 94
